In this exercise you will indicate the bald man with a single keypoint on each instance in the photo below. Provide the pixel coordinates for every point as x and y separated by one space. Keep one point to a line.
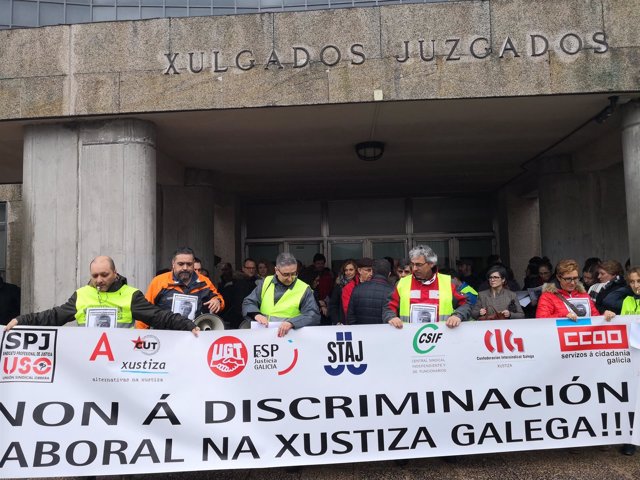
107 290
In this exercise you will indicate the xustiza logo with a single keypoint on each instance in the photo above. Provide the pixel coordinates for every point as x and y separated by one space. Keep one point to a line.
581 335
227 356
344 353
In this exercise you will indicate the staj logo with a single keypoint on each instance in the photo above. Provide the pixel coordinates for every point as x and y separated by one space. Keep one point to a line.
343 354
496 342
227 356
28 355
581 335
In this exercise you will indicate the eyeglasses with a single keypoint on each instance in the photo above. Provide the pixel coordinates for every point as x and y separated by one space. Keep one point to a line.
494 277
570 279
417 265
288 275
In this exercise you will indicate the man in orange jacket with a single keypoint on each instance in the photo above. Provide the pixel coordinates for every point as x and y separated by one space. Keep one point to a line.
182 285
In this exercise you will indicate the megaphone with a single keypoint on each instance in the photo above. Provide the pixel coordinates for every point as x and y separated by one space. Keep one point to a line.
245 324
209 321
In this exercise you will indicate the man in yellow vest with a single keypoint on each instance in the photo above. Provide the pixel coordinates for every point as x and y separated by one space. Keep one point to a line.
282 297
426 295
106 295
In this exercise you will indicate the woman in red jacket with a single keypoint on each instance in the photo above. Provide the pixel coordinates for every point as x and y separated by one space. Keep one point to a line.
565 296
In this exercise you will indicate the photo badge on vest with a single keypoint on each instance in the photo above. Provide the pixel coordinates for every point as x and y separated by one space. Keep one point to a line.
582 306
423 313
185 305
101 317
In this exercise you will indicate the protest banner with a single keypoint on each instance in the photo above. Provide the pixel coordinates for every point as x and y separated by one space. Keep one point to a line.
79 401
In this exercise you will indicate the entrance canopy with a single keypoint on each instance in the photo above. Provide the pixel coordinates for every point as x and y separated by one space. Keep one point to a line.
432 147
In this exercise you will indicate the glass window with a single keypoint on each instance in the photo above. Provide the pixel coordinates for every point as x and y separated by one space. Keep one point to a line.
305 251
199 3
104 2
151 12
199 11
25 14
341 252
51 14
176 12
128 13
102 14
374 216
156 3
129 3
295 219
477 250
264 251
452 215
396 250
5 12
78 14
441 247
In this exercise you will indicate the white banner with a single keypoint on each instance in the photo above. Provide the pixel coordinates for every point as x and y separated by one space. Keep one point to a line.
76 401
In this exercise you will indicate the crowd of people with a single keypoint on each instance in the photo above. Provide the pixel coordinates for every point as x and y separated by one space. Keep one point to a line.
288 295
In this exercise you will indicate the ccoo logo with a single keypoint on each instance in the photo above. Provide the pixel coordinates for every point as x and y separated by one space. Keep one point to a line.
227 356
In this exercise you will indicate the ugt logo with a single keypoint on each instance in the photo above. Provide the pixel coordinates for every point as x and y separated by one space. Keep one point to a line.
343 354
495 342
227 356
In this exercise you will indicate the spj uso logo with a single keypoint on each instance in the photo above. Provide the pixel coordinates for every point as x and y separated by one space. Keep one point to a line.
28 355
345 353
227 356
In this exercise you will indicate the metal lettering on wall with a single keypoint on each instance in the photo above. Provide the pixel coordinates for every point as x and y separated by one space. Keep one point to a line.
450 49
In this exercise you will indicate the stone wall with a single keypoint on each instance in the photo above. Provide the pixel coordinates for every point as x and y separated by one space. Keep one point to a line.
469 49
12 195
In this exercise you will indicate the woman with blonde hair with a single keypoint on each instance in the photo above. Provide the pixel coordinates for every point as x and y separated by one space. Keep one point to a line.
565 296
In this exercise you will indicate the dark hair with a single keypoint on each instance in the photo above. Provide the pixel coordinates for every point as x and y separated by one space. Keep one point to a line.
591 264
318 256
405 262
499 269
612 267
249 259
183 251
196 260
381 267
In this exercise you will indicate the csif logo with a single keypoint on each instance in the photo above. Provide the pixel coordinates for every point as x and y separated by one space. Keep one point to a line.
581 335
426 338
227 356
496 342
148 345
344 353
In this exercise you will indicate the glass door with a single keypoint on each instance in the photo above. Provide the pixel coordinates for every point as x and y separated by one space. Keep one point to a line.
343 251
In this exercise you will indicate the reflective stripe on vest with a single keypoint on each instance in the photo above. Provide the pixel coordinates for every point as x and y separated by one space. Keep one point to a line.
88 297
445 297
289 304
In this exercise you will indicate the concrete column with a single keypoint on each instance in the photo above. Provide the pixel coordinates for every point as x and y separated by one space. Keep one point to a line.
564 202
187 220
631 158
89 189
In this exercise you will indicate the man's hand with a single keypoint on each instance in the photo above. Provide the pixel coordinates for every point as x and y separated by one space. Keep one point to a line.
396 322
453 321
195 331
506 313
483 312
284 328
213 305
11 324
608 315
262 320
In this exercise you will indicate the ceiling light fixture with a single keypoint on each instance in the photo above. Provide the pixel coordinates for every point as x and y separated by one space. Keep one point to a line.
370 151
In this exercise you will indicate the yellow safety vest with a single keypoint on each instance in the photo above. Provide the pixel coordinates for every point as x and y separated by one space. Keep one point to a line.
289 304
445 297
89 297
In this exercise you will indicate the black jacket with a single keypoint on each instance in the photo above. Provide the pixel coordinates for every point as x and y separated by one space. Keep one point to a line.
9 302
141 309
611 296
368 301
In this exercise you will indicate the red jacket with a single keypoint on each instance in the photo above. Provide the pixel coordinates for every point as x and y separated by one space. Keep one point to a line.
550 306
346 294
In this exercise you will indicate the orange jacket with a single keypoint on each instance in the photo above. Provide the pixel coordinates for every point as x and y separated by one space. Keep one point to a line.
162 288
